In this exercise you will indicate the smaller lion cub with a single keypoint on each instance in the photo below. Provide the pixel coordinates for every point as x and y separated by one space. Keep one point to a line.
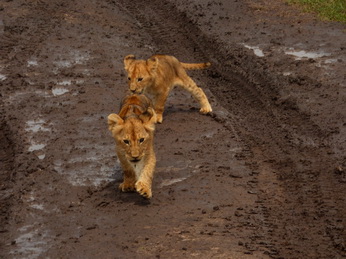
158 75
133 132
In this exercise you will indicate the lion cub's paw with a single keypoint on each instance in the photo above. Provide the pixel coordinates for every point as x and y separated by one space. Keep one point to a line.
144 190
205 110
127 187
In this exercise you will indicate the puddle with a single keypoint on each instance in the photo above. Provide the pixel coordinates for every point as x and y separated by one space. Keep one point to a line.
87 174
31 201
37 206
177 173
32 63
257 51
65 82
36 126
210 134
62 90
59 91
301 54
75 57
71 59
91 168
168 182
331 61
2 77
35 147
89 181
23 95
41 157
63 63
31 242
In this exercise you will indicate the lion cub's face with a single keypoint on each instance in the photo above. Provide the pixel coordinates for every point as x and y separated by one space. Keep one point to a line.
132 136
139 73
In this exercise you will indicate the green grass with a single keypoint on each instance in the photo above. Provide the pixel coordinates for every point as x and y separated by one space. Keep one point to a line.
332 10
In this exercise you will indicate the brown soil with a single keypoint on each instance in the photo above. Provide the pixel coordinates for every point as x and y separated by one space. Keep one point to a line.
261 177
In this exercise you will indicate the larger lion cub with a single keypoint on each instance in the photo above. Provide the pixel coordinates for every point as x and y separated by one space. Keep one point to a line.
133 132
158 75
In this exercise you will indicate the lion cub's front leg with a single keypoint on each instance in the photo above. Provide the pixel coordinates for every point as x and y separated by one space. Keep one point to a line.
144 189
143 185
159 100
128 184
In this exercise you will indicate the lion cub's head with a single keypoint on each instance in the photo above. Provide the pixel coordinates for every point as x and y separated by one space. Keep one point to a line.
133 134
140 72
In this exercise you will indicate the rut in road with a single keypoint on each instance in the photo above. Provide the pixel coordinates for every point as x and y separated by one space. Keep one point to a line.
287 150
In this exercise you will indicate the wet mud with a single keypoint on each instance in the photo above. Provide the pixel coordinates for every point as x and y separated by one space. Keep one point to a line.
263 176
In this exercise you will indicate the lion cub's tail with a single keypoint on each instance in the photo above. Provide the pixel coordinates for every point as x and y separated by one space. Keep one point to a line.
193 66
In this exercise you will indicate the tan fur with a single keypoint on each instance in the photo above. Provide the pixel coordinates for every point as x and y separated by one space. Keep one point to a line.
158 75
133 132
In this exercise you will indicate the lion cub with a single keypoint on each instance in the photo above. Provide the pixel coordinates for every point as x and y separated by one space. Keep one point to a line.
158 75
133 132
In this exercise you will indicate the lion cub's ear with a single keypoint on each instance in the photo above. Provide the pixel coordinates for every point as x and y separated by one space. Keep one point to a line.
128 61
152 64
150 124
114 120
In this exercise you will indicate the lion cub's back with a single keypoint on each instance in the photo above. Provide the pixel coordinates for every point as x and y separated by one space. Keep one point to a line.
169 67
136 103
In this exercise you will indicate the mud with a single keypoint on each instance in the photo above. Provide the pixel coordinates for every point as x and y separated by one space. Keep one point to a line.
261 177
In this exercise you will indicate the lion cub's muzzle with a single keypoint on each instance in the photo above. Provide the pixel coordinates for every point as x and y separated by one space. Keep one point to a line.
135 160
136 91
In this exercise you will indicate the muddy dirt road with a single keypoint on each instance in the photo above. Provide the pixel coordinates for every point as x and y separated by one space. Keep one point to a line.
261 177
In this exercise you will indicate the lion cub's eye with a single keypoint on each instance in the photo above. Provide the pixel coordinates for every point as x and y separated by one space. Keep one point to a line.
126 141
129 78
141 140
139 79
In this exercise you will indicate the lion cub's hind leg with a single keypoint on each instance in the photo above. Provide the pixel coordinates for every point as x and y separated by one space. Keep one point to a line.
188 84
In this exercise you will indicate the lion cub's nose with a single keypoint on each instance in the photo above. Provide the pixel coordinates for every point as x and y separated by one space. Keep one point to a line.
135 158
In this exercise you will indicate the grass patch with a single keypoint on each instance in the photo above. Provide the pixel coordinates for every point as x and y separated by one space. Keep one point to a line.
332 10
